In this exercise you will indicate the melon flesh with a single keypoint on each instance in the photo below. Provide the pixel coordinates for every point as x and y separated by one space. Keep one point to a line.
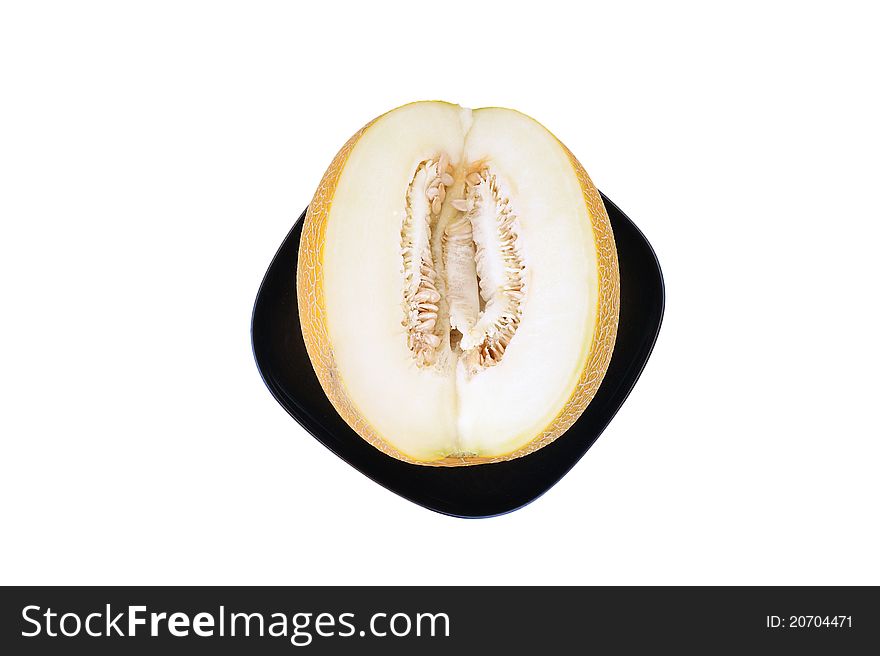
456 286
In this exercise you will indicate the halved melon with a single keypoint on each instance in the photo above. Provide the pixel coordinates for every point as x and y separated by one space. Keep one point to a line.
457 284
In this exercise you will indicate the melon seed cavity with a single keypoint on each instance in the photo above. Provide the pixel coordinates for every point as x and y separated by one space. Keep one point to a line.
481 275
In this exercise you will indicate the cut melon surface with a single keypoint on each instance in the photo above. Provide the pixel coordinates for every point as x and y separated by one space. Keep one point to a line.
457 285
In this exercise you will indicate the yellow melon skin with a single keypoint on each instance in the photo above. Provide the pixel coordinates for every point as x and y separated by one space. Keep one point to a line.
315 331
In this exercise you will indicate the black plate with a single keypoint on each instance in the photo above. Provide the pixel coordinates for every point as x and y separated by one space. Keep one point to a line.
483 490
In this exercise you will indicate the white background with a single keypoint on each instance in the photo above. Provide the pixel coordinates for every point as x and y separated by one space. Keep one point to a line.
154 155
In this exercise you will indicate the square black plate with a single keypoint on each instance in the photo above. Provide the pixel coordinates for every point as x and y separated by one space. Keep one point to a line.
482 490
